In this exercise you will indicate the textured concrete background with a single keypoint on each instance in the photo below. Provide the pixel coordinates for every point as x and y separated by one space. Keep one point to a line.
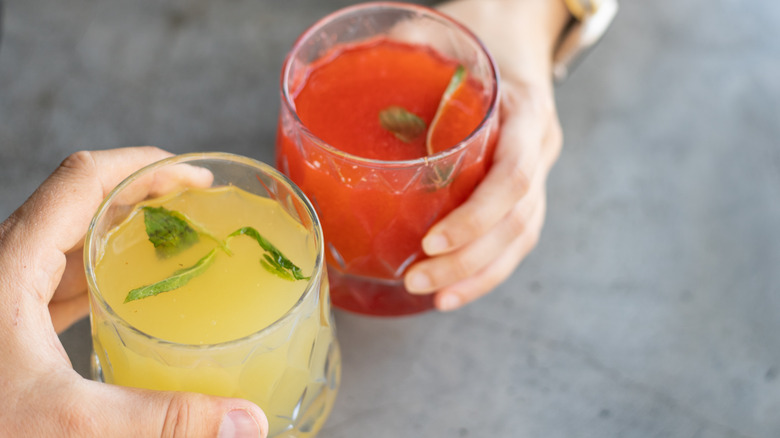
651 307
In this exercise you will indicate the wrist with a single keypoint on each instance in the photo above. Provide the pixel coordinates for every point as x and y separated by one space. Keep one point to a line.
522 35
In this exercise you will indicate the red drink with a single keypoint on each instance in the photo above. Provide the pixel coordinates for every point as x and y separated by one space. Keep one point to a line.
378 195
344 92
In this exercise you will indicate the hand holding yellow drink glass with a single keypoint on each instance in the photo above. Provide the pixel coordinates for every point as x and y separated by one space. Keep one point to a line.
215 283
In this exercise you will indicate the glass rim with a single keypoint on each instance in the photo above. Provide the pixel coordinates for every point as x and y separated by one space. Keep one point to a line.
316 278
287 99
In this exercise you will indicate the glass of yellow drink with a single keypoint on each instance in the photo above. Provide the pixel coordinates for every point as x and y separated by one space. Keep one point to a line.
206 274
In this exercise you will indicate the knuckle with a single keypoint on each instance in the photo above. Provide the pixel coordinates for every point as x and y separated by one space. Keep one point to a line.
77 421
461 267
177 417
547 105
80 161
557 132
474 225
516 221
519 178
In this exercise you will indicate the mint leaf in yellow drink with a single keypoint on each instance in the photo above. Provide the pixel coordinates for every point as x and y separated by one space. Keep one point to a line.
210 290
206 309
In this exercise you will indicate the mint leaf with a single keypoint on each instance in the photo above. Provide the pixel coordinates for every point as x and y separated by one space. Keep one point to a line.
438 176
267 263
172 232
457 78
168 231
175 281
274 261
405 125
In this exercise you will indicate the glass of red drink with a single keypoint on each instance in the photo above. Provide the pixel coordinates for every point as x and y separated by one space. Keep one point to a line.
379 188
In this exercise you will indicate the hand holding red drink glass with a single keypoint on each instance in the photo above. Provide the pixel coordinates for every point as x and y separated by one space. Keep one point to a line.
389 121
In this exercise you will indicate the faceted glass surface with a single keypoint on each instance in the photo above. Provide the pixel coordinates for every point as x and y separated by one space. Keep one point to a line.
290 368
375 213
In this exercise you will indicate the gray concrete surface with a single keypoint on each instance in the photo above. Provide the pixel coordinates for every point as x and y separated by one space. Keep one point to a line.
651 307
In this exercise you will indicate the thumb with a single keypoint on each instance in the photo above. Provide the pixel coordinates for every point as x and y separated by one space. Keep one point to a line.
120 411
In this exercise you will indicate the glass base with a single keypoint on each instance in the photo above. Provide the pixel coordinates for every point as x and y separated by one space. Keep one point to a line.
309 418
374 296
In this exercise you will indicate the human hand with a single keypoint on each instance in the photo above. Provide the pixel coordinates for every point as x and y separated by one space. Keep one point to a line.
480 243
43 287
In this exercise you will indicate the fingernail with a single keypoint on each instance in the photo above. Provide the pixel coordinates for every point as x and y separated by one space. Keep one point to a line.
418 282
435 244
449 302
239 423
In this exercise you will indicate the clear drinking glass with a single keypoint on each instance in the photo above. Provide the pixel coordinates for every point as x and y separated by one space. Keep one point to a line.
289 367
375 212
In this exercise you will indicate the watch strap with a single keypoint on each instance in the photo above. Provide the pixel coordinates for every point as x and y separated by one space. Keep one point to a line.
591 19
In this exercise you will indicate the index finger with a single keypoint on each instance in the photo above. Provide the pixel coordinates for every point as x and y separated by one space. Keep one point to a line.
516 160
59 211
55 218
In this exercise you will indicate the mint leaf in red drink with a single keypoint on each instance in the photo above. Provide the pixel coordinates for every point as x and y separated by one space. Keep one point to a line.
406 126
444 104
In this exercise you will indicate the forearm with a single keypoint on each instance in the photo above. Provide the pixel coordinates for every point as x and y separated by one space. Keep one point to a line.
521 34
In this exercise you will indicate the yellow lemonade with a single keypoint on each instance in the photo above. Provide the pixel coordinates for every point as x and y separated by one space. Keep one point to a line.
234 328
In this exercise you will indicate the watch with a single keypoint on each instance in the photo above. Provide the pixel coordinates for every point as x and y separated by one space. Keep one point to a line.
590 20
